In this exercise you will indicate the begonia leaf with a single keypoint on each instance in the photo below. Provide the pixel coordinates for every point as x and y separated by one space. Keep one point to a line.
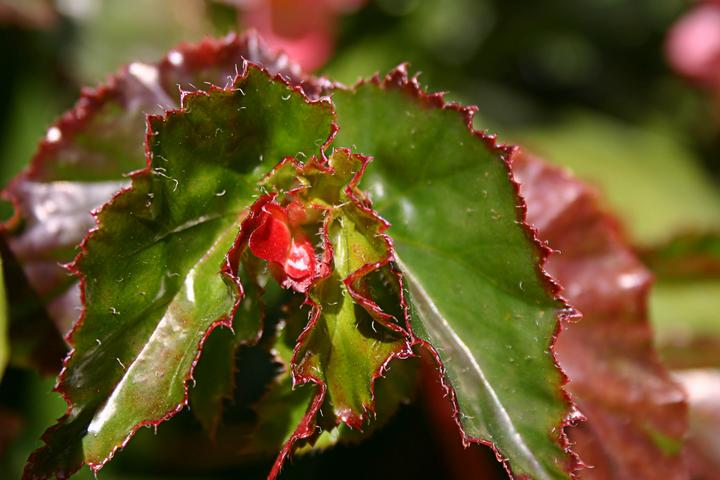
471 266
150 270
349 341
636 414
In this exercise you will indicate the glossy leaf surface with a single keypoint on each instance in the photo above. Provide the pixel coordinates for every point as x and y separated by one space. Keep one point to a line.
469 263
85 156
348 341
352 342
215 374
282 407
636 414
151 270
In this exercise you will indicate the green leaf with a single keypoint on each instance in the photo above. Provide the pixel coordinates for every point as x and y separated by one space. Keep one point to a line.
283 407
469 263
344 347
215 372
348 341
395 388
87 153
150 270
279 412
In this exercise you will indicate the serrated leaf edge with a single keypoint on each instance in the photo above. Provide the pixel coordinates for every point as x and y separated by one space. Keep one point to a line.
399 79
92 99
307 427
226 270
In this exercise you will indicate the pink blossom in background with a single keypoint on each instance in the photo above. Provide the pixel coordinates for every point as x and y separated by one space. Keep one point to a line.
304 29
693 46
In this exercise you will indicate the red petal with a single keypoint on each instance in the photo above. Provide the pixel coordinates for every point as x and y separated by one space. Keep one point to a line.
300 262
271 240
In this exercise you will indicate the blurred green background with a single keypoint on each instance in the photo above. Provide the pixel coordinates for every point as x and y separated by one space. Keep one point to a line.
582 83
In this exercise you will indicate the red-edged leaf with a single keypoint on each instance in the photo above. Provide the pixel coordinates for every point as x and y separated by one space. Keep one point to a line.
477 292
87 153
349 341
215 374
151 269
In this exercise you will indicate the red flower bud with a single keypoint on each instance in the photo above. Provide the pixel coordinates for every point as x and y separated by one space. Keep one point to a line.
279 240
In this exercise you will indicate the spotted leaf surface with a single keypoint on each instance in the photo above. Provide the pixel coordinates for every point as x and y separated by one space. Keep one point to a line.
87 153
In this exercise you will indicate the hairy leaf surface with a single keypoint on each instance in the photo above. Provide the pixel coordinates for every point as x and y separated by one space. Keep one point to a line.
283 407
85 156
351 342
151 269
348 341
470 265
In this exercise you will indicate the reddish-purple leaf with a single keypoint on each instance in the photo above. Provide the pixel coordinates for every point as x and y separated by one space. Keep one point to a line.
636 414
88 152
702 450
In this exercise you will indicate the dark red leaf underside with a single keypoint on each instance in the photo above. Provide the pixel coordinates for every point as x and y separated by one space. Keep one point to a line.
636 414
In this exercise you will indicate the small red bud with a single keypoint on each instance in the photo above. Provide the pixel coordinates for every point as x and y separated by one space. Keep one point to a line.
278 240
